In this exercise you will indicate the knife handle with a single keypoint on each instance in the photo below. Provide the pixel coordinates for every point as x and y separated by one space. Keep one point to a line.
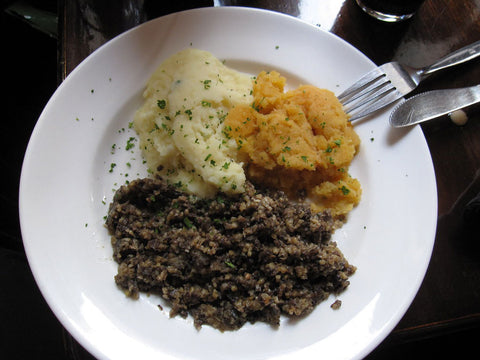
459 56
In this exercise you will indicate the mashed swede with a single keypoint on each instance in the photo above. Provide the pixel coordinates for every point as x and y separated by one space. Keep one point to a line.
299 141
180 124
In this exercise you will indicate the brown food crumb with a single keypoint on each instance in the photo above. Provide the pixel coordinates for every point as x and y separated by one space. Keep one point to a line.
225 261
336 305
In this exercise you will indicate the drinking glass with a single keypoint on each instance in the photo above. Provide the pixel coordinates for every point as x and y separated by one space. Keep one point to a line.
390 10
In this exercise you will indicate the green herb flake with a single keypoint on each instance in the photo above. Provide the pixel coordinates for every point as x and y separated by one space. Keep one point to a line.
130 143
229 264
162 104
178 185
187 223
344 190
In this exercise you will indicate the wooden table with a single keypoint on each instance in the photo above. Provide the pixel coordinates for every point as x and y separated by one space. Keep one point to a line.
449 298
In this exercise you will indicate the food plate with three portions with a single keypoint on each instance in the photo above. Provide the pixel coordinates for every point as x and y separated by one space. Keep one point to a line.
80 153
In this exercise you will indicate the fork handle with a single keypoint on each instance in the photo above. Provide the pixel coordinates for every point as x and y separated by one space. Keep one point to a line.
459 56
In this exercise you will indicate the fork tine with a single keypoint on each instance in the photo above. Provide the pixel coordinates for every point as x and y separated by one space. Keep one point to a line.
368 91
369 96
375 104
371 92
361 83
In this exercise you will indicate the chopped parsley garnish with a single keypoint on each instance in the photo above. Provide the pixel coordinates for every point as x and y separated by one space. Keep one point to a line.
229 264
162 104
130 143
187 222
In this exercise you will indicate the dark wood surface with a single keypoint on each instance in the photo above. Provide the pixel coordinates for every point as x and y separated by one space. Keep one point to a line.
449 298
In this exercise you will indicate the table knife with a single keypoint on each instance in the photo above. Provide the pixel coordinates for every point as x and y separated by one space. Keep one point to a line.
433 104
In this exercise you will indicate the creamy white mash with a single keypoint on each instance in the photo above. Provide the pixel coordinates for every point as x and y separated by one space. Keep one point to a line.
180 123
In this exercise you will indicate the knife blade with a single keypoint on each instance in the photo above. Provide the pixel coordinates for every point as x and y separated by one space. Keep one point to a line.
433 104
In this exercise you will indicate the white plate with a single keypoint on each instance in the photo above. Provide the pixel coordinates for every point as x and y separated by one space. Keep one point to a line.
66 186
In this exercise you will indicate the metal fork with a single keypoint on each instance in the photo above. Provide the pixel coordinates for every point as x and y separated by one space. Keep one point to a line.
391 81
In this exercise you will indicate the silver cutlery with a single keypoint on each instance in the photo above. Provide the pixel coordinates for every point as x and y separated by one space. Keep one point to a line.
433 104
391 81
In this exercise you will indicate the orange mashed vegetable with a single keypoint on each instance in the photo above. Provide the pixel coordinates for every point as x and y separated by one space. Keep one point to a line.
299 141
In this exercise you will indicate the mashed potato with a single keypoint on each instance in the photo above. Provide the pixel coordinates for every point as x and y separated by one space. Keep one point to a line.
299 141
180 123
